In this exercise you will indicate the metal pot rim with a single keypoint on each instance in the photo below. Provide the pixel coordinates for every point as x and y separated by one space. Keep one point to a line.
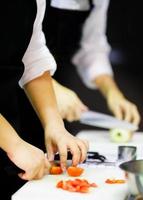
124 165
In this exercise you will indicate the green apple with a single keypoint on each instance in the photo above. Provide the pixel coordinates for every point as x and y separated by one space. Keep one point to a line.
120 135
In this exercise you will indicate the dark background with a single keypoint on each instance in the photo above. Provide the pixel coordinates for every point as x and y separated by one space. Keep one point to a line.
124 31
125 36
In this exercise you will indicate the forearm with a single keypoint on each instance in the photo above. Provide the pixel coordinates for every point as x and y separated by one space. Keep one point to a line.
8 136
106 84
41 95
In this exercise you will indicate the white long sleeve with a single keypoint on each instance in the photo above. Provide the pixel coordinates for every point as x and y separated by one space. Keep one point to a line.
37 58
71 4
92 59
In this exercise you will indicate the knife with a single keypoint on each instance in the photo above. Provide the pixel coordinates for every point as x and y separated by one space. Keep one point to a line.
92 157
12 170
102 120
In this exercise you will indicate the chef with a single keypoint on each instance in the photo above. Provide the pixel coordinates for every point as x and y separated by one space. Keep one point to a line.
24 58
77 34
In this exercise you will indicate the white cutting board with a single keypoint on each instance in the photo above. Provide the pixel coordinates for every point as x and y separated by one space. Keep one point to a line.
99 141
45 189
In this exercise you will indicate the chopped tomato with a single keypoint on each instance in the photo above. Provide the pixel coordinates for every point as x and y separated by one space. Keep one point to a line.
76 182
74 171
77 185
93 185
64 186
115 181
60 184
120 181
84 189
56 170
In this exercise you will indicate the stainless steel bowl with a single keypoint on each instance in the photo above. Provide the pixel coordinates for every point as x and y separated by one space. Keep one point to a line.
134 171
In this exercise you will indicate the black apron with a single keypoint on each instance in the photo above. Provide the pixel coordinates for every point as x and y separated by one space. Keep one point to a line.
16 20
63 29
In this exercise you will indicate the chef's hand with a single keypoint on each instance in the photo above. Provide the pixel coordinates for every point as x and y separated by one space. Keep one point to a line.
117 103
30 159
69 104
62 141
122 108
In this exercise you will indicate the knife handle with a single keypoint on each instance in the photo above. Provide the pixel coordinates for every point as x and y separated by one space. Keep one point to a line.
11 169
7 166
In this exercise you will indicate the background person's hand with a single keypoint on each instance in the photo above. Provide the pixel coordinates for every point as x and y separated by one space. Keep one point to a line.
69 104
122 108
117 103
62 141
30 159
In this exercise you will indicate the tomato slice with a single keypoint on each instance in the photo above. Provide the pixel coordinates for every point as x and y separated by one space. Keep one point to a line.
93 185
55 170
84 189
115 181
74 171
59 184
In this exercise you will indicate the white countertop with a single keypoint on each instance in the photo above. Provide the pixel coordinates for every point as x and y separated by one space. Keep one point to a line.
99 141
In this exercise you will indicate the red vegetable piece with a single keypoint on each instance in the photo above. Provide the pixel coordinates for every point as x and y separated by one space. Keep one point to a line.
115 181
55 170
74 171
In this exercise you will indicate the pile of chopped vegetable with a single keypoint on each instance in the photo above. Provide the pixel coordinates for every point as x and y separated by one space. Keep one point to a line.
76 185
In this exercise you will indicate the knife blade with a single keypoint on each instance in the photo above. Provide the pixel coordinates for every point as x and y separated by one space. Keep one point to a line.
91 156
102 120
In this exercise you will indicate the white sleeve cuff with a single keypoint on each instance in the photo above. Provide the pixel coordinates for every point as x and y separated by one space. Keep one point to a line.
36 63
89 71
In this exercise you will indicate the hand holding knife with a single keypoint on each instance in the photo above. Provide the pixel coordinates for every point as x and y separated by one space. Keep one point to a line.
105 121
11 169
